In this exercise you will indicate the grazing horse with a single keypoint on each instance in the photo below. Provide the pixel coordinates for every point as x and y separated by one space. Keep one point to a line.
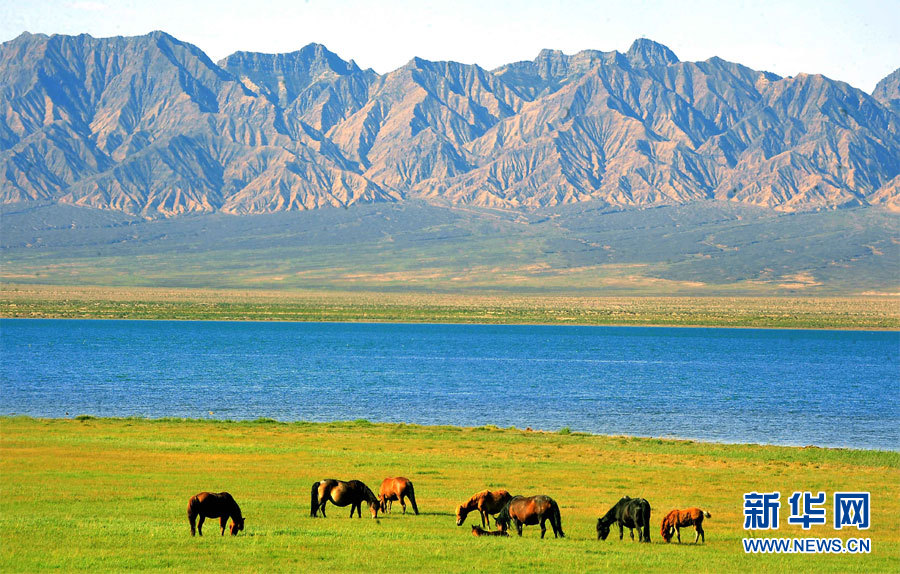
215 505
479 531
627 513
342 493
397 489
486 502
531 510
675 520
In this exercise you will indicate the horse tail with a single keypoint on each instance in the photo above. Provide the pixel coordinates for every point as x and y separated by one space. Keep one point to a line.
412 498
314 501
645 511
706 514
557 517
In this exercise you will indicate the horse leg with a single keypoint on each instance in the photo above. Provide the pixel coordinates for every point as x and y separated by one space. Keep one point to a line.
192 518
403 504
678 531
631 532
518 527
485 521
543 528
322 508
622 532
700 534
223 522
200 525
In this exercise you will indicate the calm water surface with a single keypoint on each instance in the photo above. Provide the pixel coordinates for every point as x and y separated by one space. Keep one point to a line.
828 388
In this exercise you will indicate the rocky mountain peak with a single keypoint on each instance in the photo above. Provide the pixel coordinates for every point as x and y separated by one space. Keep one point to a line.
645 53
150 125
888 91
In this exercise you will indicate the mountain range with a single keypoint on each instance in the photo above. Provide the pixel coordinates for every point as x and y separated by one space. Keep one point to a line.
150 126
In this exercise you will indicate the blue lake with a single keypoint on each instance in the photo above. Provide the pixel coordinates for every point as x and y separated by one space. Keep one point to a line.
827 388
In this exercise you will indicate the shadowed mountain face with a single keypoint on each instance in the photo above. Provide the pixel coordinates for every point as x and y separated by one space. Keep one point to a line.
149 125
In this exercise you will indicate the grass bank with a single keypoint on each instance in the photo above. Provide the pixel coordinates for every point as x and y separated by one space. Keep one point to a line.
110 494
36 301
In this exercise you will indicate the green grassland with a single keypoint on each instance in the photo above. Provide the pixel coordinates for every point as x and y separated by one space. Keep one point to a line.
36 301
701 249
111 494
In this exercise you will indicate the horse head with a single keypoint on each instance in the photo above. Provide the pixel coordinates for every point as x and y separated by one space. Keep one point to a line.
237 524
667 529
374 503
503 519
602 529
461 513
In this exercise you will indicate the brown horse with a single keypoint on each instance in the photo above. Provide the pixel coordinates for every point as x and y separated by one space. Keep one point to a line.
479 531
486 502
675 520
215 505
397 489
342 493
531 510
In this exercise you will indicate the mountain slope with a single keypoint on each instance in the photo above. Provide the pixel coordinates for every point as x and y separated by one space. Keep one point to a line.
149 125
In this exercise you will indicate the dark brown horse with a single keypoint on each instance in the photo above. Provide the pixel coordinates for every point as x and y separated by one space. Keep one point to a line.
531 510
677 519
479 531
397 489
341 493
628 513
486 502
215 505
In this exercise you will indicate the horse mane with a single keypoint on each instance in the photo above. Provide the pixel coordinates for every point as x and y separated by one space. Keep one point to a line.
503 515
667 523
370 496
235 509
472 503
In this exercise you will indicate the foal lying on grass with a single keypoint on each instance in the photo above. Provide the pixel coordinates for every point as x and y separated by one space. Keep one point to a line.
479 531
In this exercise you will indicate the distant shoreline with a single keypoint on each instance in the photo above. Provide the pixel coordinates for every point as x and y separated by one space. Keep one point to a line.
382 425
490 308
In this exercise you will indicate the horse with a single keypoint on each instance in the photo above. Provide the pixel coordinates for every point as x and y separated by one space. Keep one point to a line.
676 519
479 531
397 489
531 510
215 505
487 502
628 513
342 493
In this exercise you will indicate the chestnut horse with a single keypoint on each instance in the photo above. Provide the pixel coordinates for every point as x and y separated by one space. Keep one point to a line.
675 520
215 505
531 510
628 513
486 502
397 489
342 493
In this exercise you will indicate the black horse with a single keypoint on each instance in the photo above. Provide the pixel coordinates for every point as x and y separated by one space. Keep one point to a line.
627 513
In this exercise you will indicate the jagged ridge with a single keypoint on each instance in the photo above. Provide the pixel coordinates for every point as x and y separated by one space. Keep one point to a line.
150 125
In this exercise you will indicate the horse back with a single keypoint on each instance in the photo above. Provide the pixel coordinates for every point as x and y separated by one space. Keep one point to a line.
492 501
213 504
691 516
395 487
528 509
632 511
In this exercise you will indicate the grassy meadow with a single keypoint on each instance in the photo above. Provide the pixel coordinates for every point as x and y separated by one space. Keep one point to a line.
43 301
111 494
